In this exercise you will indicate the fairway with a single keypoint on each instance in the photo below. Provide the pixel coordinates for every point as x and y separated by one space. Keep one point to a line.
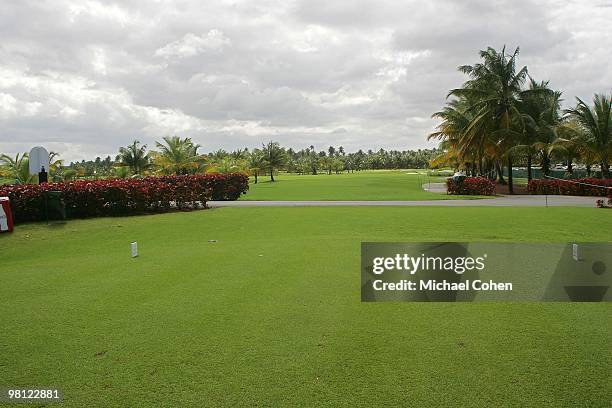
382 185
261 306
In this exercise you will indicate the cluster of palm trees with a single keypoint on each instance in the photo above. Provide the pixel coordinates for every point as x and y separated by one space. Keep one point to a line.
180 156
332 160
502 117
175 155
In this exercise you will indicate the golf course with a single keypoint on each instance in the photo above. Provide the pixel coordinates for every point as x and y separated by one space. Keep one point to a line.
355 204
384 185
261 306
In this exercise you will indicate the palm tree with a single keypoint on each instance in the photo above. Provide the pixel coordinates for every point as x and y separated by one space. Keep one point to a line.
456 117
121 172
274 157
229 165
256 162
135 157
18 168
494 92
597 123
571 143
178 156
540 108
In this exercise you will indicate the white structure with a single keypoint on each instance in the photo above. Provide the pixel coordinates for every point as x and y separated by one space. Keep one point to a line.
39 158
3 220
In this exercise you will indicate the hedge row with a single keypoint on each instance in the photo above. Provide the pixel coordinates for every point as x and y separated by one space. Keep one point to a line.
113 197
470 186
576 187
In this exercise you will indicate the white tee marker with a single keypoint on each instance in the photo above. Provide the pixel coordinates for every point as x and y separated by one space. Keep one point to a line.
134 246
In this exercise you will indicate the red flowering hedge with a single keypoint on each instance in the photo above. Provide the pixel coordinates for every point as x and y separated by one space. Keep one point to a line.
565 187
470 186
99 198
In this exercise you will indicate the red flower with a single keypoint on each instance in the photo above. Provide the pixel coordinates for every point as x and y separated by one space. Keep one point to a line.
85 198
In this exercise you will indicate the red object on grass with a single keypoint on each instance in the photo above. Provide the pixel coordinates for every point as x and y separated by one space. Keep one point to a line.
6 215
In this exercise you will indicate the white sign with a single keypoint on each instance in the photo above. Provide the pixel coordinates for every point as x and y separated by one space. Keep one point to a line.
134 249
39 158
3 220
575 253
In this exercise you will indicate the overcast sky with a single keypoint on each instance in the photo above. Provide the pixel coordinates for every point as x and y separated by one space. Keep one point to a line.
85 77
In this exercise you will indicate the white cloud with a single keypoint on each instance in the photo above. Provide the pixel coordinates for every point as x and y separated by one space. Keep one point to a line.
85 77
191 45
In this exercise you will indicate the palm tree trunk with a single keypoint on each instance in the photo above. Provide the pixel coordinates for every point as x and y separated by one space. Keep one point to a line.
510 186
588 170
256 176
500 173
545 164
271 174
605 167
570 169
529 172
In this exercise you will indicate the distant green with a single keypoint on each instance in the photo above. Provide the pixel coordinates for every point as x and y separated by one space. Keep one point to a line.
383 185
260 307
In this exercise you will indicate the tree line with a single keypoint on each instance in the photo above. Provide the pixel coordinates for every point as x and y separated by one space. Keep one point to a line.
501 117
175 155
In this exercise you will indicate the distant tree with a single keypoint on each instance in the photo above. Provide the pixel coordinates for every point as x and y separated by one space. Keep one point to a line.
274 157
256 162
230 164
121 172
134 157
178 156
337 165
326 163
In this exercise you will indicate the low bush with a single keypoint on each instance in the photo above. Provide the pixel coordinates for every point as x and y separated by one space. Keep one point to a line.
576 187
470 186
113 197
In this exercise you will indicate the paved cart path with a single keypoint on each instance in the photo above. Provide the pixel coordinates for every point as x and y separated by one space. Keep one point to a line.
502 201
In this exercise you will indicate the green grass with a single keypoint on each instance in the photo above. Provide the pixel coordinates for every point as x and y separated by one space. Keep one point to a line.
270 313
365 185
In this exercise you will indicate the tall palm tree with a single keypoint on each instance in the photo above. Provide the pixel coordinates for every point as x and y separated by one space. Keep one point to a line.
178 156
540 109
597 123
135 157
274 157
495 89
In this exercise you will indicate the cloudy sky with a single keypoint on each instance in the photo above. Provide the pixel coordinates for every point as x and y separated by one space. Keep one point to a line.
84 77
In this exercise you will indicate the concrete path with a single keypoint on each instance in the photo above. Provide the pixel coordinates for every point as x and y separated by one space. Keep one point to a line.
504 201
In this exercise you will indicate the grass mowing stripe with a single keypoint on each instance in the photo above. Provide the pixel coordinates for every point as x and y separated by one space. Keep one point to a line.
196 323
